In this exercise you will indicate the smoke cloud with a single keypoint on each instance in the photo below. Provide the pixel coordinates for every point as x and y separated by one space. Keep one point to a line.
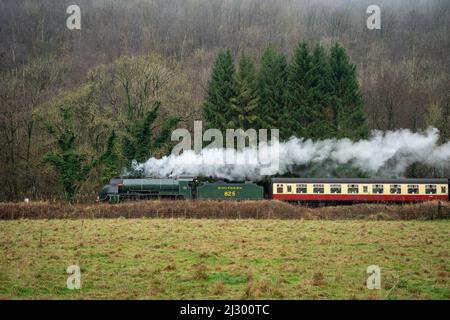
384 154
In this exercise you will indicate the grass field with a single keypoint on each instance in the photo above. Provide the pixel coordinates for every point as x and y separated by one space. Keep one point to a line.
187 259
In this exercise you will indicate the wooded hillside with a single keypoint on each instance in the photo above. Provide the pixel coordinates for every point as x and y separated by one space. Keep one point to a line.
96 99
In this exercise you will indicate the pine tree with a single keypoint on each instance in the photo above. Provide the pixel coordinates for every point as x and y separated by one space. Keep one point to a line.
349 119
321 90
298 112
308 98
271 87
221 90
244 105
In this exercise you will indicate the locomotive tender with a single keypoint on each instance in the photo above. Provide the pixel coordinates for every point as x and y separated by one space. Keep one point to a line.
301 190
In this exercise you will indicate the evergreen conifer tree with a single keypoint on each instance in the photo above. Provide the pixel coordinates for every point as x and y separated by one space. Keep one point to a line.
349 119
320 95
244 106
221 90
299 112
271 87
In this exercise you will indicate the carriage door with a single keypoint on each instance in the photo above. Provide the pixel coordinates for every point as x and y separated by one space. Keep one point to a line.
365 189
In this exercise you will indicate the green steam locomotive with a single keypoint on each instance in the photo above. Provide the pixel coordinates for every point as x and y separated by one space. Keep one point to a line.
122 189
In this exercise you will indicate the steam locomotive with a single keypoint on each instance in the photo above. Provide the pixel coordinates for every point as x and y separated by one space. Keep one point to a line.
301 190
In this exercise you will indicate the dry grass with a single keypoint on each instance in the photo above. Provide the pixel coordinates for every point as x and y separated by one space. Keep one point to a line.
224 258
223 210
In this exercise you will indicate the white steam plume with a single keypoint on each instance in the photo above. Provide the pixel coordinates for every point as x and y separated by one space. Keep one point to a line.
383 154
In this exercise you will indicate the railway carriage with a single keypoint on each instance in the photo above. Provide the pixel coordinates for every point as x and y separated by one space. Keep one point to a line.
359 190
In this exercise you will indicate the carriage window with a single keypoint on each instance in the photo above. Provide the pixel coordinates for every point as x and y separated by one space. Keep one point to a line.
378 188
396 188
336 188
413 188
301 188
353 188
430 189
289 188
279 188
318 188
443 189
365 189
